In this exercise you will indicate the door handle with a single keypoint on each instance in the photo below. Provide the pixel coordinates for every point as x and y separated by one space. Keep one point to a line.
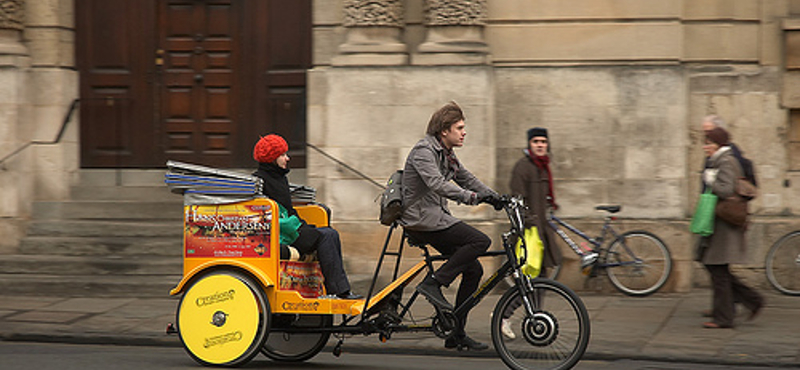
198 78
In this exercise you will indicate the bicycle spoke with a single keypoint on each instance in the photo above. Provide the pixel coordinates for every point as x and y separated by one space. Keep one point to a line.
638 263
554 338
783 264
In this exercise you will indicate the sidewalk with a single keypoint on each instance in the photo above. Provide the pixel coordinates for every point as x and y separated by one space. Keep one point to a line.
661 327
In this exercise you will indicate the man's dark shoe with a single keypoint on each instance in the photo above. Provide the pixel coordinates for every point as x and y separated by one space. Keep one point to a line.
349 295
464 343
432 290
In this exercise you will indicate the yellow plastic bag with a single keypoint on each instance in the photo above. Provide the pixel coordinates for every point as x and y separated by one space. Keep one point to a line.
530 256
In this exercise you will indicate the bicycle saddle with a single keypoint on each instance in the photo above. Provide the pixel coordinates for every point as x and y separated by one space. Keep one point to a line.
609 209
414 243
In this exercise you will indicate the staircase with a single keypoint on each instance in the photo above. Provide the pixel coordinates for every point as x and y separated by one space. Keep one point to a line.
120 235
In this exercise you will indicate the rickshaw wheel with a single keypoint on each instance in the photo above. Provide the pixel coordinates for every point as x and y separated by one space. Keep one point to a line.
285 346
223 319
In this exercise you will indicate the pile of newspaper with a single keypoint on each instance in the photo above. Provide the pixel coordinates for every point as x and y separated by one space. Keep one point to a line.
201 181
185 178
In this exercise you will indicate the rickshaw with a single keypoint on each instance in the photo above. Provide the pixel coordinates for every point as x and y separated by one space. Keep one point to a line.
242 293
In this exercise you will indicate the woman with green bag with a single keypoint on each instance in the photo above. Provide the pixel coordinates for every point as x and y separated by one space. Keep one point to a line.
726 244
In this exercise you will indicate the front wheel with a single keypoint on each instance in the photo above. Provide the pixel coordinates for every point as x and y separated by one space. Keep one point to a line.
638 263
554 337
783 264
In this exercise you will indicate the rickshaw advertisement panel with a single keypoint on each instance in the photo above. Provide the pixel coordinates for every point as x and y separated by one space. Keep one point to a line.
239 230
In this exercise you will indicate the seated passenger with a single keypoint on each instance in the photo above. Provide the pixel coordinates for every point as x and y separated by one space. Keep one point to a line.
273 166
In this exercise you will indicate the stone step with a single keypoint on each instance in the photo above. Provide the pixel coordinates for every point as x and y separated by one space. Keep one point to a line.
102 228
121 177
124 193
102 246
123 286
104 210
90 265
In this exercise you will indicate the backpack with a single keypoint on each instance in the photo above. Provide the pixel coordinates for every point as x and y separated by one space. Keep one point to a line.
392 199
749 170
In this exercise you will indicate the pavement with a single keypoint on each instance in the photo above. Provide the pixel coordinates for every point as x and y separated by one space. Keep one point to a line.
663 327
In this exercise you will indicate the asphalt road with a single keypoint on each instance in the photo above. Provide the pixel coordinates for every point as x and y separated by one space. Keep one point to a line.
44 356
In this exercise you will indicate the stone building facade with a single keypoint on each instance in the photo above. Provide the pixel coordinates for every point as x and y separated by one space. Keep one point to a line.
620 84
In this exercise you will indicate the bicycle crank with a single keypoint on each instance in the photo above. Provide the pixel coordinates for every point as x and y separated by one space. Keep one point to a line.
540 330
444 323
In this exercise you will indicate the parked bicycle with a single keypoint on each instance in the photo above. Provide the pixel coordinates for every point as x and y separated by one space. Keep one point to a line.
783 264
638 263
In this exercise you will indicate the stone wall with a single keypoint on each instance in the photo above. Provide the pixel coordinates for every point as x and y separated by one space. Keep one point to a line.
621 84
38 82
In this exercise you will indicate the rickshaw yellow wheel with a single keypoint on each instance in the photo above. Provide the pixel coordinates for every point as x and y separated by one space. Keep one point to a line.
223 319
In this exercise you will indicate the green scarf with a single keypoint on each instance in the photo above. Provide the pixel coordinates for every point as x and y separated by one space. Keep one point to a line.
289 226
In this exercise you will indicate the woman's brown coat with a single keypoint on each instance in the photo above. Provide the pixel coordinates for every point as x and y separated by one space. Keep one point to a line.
531 183
727 244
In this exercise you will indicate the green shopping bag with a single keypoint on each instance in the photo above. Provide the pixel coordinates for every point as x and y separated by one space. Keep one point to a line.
530 255
703 220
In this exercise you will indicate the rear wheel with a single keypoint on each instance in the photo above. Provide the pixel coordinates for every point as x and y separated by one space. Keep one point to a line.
640 263
554 337
223 319
783 264
286 346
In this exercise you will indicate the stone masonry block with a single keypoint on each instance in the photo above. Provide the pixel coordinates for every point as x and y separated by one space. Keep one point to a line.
326 42
791 89
584 42
577 161
722 10
44 13
577 198
655 162
326 12
650 198
734 42
583 9
50 46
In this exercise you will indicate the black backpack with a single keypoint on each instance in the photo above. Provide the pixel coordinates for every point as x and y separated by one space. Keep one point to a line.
749 170
392 199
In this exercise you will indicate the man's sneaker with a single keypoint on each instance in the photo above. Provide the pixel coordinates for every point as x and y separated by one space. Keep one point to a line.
587 262
506 329
432 290
464 343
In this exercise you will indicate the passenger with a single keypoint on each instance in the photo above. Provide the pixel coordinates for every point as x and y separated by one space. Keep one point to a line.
431 176
273 167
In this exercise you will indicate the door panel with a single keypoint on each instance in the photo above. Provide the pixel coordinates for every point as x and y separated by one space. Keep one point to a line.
116 96
200 43
190 80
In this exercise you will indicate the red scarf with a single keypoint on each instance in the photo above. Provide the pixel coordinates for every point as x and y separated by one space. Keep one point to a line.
543 163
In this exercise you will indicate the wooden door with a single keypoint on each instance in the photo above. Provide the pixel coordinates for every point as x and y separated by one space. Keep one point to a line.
191 80
114 46
200 54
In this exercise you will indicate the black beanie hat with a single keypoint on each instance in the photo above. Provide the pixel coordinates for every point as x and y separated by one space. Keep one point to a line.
536 131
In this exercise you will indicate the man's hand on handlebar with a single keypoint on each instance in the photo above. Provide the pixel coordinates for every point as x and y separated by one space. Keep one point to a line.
491 198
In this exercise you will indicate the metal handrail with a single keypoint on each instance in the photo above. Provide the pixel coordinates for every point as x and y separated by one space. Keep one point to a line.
67 119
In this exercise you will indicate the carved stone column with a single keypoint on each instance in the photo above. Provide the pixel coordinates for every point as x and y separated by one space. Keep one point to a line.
454 33
374 34
12 19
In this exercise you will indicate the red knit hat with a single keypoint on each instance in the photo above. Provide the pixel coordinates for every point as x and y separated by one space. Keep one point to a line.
269 148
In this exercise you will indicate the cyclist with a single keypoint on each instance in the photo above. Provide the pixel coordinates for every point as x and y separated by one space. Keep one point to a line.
432 174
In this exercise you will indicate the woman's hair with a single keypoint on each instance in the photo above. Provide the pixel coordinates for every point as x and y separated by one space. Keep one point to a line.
443 118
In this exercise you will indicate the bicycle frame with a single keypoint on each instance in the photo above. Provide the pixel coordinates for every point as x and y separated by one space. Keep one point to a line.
556 223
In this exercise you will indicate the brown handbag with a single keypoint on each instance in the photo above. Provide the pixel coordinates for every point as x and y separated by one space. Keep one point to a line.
732 210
